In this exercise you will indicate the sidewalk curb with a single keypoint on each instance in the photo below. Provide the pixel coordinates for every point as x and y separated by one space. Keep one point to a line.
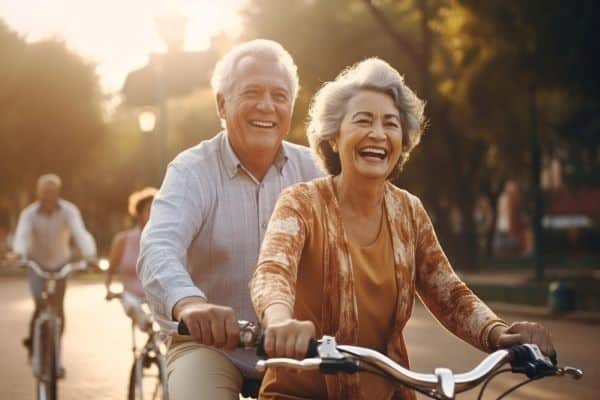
584 317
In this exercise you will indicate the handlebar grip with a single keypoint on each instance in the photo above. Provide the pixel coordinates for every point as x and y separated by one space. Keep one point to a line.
312 351
182 329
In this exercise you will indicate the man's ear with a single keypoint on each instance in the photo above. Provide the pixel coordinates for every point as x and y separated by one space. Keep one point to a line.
333 144
221 105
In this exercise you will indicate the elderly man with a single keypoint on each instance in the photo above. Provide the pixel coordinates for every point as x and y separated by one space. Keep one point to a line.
200 247
43 235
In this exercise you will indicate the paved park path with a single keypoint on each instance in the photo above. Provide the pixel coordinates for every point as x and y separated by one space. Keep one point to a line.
97 349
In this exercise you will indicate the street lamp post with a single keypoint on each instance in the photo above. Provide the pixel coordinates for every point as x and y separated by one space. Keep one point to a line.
171 28
147 124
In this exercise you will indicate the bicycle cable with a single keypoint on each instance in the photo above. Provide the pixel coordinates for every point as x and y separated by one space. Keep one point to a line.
512 389
488 380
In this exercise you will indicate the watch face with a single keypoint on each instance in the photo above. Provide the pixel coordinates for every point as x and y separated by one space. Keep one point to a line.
246 337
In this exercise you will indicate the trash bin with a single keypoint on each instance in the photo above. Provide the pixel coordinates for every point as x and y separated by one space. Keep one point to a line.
561 297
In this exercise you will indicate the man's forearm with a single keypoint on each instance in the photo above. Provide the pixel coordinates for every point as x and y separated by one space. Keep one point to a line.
181 304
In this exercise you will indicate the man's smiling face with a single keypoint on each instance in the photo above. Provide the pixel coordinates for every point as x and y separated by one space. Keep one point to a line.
258 108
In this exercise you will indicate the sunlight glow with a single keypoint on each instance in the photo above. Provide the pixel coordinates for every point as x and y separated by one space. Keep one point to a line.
119 35
103 264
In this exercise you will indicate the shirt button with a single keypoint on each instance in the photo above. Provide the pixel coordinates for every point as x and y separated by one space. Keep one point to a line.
264 225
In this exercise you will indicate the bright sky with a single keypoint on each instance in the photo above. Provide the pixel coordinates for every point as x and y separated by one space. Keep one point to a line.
117 35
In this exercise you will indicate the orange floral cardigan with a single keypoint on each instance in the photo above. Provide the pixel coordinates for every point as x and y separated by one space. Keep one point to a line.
421 268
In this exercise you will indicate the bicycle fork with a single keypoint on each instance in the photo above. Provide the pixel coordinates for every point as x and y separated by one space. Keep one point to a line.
54 324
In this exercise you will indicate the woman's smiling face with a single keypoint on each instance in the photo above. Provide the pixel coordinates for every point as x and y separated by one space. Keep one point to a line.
370 139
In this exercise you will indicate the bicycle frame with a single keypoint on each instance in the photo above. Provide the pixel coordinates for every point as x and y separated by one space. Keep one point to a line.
49 319
48 314
152 351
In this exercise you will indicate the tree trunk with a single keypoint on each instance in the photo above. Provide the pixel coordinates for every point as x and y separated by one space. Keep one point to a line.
536 192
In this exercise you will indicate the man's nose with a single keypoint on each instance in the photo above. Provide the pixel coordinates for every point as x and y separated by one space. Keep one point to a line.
266 103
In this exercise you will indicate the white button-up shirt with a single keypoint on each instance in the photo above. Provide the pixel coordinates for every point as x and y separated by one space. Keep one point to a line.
207 223
44 238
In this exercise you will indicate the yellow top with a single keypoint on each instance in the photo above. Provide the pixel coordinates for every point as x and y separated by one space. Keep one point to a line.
376 296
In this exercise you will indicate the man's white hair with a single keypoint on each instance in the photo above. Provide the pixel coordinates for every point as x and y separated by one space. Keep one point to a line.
224 75
49 179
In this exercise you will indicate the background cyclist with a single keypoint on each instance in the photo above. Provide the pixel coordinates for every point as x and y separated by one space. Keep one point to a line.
43 234
123 256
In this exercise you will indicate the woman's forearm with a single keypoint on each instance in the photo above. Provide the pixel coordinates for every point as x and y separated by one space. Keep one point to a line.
275 313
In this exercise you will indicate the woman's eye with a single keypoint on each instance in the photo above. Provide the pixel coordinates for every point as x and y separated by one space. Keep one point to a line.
362 121
392 124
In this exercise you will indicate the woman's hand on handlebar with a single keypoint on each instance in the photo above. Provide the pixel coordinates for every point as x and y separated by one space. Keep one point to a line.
285 336
521 333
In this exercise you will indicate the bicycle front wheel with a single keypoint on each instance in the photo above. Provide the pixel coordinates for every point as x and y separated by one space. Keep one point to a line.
148 379
47 354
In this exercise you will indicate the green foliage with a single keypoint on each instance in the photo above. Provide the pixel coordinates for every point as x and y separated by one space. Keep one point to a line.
50 115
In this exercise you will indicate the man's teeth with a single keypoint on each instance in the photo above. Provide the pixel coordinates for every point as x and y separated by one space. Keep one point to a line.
262 124
373 152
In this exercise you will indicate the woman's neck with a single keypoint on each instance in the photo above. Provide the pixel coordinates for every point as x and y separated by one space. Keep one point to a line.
363 197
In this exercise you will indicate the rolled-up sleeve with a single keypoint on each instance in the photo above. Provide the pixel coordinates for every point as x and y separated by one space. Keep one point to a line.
443 292
274 280
85 241
22 239
175 218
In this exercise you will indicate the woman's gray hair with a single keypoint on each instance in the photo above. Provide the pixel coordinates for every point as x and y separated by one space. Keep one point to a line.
224 77
328 108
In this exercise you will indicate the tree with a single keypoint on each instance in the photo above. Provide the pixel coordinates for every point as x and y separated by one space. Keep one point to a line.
50 113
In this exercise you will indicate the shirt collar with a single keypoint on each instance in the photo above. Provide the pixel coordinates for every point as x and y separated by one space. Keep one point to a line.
39 208
233 164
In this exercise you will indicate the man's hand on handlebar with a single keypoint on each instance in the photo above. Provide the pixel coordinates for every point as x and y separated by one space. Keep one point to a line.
208 324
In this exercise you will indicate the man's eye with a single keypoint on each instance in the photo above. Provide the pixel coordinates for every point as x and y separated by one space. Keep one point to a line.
280 97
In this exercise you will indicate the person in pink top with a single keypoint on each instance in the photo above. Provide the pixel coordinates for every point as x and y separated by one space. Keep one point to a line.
123 256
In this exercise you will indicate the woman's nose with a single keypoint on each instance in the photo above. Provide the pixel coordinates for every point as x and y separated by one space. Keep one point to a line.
377 131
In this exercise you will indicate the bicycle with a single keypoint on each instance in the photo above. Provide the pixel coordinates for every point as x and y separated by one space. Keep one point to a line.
249 339
46 346
330 358
148 376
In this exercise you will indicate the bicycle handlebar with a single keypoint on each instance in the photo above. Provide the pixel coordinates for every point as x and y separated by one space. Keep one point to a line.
443 383
112 295
249 333
61 273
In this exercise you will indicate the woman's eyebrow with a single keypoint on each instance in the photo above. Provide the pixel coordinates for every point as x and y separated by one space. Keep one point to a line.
362 113
389 116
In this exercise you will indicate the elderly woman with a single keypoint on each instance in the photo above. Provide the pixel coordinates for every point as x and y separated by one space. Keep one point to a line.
345 255
124 253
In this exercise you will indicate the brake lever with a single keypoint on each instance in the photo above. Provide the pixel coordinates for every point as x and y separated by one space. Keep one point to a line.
529 360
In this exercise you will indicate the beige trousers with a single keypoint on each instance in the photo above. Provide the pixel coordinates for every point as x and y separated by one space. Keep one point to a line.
197 372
